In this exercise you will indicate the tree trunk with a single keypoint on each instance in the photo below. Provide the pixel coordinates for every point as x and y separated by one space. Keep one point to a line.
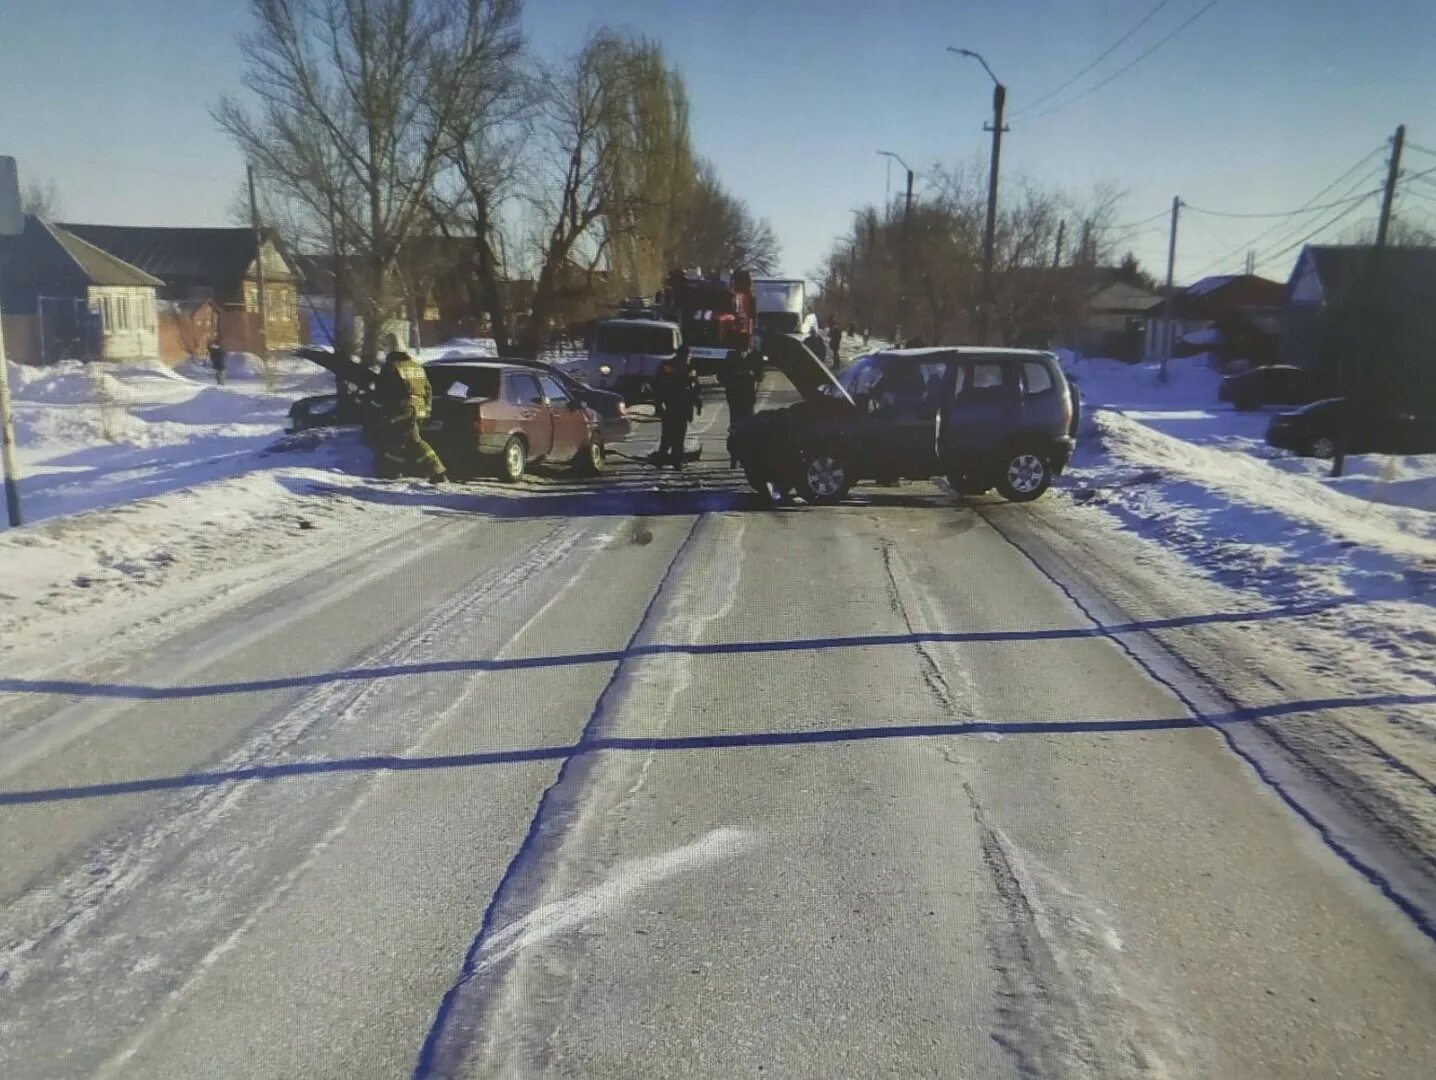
491 294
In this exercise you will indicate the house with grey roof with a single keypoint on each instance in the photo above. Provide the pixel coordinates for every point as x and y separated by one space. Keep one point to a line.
64 298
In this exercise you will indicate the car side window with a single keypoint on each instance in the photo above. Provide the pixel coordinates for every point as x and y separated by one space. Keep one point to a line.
523 389
554 389
1038 378
987 375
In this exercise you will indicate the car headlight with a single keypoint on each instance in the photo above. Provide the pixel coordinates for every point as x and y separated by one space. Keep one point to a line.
604 369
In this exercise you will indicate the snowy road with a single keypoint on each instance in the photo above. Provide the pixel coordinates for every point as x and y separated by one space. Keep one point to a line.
622 783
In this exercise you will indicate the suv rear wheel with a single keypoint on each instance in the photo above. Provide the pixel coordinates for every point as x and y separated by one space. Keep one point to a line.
825 478
1025 476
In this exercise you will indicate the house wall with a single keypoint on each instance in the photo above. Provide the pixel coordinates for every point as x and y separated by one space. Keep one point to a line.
128 322
282 301
22 338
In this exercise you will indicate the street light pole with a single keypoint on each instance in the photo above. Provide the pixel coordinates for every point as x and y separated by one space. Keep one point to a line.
989 233
905 255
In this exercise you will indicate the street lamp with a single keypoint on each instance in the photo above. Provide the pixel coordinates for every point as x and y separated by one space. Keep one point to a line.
999 101
906 234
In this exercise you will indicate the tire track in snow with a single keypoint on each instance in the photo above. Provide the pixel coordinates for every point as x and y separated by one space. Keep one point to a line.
73 932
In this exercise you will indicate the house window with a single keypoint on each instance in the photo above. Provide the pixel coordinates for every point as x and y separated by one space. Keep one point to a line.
107 316
251 297
122 313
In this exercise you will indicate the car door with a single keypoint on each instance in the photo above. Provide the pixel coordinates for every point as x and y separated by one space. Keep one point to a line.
908 400
570 425
532 409
985 410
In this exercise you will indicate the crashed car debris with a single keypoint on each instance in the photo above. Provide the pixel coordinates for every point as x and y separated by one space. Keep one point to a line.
983 418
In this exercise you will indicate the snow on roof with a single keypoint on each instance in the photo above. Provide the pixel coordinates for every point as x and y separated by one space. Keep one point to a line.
1209 284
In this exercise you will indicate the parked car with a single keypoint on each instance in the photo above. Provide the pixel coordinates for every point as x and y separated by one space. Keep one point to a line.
1317 429
493 416
612 410
351 407
1276 384
982 417
624 355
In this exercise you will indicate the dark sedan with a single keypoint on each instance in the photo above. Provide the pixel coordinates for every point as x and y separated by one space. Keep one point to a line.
1277 384
1319 428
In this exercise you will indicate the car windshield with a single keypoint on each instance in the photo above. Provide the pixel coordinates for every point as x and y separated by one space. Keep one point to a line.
626 539
617 338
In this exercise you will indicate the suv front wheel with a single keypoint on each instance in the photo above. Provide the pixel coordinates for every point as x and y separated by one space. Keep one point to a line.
825 478
1025 475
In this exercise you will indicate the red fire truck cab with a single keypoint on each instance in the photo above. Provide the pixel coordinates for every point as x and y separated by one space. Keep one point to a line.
715 315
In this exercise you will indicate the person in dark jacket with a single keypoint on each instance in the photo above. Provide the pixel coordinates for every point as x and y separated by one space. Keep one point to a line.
741 390
404 398
675 390
835 341
217 360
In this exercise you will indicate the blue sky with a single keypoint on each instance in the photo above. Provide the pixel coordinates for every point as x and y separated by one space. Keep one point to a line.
1255 107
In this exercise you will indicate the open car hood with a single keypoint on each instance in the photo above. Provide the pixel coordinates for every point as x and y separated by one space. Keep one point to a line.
343 368
810 376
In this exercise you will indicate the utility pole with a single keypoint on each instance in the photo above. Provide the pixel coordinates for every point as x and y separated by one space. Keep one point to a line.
1251 263
12 222
1389 196
259 269
1061 236
989 235
904 275
1167 305
1373 285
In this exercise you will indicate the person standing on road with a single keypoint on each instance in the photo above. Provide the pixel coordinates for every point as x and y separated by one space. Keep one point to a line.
217 360
741 391
405 399
675 389
835 342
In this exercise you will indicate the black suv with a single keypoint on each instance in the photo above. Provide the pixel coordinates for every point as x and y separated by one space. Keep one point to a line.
984 418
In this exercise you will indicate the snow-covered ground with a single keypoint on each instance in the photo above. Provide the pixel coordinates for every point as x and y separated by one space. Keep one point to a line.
1170 463
149 491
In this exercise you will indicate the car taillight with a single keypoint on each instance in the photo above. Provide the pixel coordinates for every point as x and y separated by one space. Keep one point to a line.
482 426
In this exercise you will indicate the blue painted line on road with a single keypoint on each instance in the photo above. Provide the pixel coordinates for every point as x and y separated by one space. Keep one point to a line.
82 689
444 1046
728 741
1339 848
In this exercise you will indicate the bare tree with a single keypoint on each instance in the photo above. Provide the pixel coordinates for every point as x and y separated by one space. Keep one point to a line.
356 101
578 203
42 200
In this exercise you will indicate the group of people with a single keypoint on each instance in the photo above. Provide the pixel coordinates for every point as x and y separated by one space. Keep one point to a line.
677 400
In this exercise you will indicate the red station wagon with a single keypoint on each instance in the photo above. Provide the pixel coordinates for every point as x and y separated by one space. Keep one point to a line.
492 417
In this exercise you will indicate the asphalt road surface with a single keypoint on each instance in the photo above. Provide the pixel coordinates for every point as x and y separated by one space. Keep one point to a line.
634 778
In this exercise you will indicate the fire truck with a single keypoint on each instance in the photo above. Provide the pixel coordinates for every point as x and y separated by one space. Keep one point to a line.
715 315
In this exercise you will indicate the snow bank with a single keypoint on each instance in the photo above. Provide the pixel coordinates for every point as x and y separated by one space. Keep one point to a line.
1170 463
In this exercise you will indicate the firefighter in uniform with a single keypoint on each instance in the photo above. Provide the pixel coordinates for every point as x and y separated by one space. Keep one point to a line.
405 399
675 389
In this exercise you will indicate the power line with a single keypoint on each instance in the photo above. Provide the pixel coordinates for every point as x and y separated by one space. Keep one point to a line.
1251 243
1277 214
1287 230
1135 224
1129 66
1419 148
1113 48
1314 232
